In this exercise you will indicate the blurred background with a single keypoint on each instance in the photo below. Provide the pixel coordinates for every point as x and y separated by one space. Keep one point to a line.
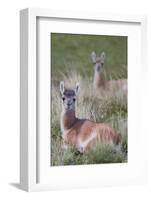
73 52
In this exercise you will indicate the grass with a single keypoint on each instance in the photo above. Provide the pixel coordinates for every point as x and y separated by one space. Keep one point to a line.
72 52
71 62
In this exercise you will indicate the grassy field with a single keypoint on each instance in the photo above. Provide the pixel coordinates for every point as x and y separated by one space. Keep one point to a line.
71 62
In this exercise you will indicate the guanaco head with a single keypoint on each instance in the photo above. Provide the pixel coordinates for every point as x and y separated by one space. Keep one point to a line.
68 96
98 61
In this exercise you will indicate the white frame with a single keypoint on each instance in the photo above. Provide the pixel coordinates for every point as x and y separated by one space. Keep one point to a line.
28 84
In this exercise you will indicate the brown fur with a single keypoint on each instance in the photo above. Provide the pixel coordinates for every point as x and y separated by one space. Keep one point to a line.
99 81
120 84
110 85
82 129
82 133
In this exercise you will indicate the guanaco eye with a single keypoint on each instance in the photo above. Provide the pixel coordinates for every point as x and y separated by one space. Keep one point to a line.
63 98
74 99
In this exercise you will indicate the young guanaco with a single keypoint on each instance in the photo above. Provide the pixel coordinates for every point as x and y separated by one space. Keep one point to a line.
84 134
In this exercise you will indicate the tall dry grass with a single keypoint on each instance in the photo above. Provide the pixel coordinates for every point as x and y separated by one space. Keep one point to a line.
102 107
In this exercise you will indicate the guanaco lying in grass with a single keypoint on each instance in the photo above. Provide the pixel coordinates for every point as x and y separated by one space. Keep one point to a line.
84 134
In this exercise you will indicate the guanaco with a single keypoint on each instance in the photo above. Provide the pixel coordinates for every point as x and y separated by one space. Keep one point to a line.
84 134
99 80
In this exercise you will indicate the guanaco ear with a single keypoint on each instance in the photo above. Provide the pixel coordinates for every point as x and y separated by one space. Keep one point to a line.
62 87
77 89
93 57
102 57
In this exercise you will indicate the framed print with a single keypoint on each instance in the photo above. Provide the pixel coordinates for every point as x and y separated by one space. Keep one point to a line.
81 80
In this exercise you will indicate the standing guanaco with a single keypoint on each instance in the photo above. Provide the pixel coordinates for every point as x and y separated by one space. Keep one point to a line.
99 80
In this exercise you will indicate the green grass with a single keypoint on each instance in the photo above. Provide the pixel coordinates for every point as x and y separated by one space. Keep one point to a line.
70 61
72 52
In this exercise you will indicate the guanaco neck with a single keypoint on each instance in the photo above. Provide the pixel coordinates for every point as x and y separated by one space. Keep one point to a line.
99 80
68 119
